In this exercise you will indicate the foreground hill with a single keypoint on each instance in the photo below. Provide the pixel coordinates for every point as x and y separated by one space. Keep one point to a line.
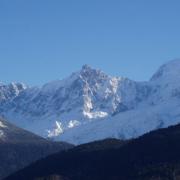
154 156
19 148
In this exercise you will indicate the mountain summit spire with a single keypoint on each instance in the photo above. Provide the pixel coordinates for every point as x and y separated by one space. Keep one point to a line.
86 67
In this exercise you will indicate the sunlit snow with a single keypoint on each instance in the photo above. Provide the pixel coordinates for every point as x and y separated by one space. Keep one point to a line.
90 105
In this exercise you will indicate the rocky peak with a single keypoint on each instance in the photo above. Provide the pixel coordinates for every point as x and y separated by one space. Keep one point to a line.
92 75
10 91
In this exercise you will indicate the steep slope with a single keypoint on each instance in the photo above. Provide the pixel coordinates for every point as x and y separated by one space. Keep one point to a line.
154 156
19 148
61 105
10 91
90 105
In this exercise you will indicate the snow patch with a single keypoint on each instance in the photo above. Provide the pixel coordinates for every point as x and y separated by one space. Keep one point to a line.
2 125
57 130
1 134
95 115
73 123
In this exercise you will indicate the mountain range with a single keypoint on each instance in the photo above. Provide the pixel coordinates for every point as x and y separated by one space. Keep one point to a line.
90 105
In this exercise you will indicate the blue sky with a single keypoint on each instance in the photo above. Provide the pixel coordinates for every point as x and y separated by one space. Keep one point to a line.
43 40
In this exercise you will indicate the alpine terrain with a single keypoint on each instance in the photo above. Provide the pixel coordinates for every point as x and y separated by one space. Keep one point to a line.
90 105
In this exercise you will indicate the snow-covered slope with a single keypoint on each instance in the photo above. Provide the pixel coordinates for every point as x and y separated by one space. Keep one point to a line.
90 105
10 91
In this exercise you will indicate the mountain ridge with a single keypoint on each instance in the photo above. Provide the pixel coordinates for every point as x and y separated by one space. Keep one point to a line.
80 108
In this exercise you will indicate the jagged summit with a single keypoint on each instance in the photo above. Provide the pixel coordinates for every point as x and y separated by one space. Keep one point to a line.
86 67
89 68
92 76
87 74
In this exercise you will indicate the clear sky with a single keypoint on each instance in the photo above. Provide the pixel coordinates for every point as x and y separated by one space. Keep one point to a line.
44 40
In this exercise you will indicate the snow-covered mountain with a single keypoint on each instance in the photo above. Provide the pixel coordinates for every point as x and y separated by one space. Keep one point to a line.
90 105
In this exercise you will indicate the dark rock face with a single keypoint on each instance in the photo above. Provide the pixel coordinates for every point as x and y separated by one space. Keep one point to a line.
19 148
154 156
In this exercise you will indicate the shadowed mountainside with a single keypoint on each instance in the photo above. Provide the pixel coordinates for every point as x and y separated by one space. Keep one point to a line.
154 156
19 148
